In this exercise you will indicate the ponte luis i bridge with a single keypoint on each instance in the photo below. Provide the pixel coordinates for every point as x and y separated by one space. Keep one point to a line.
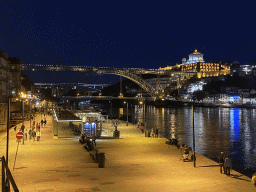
130 73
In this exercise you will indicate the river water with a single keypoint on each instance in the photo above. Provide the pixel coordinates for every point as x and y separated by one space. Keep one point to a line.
231 130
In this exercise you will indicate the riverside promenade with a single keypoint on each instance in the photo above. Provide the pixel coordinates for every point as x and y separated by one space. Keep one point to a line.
133 163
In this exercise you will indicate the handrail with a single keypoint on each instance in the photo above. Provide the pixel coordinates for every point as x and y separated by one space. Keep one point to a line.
5 186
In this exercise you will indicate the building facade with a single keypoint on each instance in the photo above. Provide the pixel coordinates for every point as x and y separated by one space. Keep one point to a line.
15 69
5 78
194 58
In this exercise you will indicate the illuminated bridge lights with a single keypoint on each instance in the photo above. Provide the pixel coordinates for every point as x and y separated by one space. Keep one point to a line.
129 74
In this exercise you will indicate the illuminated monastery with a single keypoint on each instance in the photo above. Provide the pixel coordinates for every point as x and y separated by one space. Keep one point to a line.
194 58
196 64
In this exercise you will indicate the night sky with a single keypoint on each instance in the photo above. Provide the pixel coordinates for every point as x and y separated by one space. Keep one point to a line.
119 33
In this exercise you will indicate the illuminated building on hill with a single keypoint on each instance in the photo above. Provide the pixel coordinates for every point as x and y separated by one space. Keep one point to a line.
196 65
194 58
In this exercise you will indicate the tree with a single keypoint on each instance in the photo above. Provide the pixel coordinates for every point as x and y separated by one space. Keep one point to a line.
26 82
199 95
115 123
174 93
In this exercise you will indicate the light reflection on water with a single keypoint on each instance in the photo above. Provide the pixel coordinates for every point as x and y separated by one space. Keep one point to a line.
216 129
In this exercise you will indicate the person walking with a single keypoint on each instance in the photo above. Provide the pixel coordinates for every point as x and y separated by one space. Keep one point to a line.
38 135
33 134
138 124
22 128
221 162
30 133
156 133
228 164
142 128
44 121
38 127
152 131
26 134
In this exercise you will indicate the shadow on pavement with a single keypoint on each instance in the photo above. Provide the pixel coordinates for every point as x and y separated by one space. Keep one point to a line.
20 167
237 177
209 166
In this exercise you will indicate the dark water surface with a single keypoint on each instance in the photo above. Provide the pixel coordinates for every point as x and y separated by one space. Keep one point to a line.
231 130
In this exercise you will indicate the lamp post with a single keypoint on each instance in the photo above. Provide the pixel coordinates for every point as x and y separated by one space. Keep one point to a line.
30 114
23 96
111 110
143 104
145 111
8 124
126 112
194 150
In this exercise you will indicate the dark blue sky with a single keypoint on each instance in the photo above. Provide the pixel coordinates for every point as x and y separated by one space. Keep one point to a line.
119 33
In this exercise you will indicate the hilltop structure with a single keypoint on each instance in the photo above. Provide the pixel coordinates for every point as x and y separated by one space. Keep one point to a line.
196 65
194 58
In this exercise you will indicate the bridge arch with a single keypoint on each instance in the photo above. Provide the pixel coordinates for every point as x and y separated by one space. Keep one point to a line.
133 77
127 73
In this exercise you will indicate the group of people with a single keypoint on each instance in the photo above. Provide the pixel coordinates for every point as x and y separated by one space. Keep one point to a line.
154 131
89 141
33 132
226 166
186 153
225 163
43 121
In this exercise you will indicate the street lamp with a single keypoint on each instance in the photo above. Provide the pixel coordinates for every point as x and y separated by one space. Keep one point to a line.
110 110
144 113
23 96
194 153
30 113
126 113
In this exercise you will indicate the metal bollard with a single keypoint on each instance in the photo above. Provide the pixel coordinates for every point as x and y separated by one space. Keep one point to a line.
101 158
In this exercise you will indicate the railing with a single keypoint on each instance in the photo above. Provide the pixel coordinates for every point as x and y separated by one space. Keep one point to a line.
7 178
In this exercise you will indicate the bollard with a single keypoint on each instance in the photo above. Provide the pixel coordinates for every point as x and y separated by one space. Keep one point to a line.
101 158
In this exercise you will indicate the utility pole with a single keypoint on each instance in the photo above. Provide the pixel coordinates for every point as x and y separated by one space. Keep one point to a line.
126 112
121 86
127 115
23 128
8 124
194 153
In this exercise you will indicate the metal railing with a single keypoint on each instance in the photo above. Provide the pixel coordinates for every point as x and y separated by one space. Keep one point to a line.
7 178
